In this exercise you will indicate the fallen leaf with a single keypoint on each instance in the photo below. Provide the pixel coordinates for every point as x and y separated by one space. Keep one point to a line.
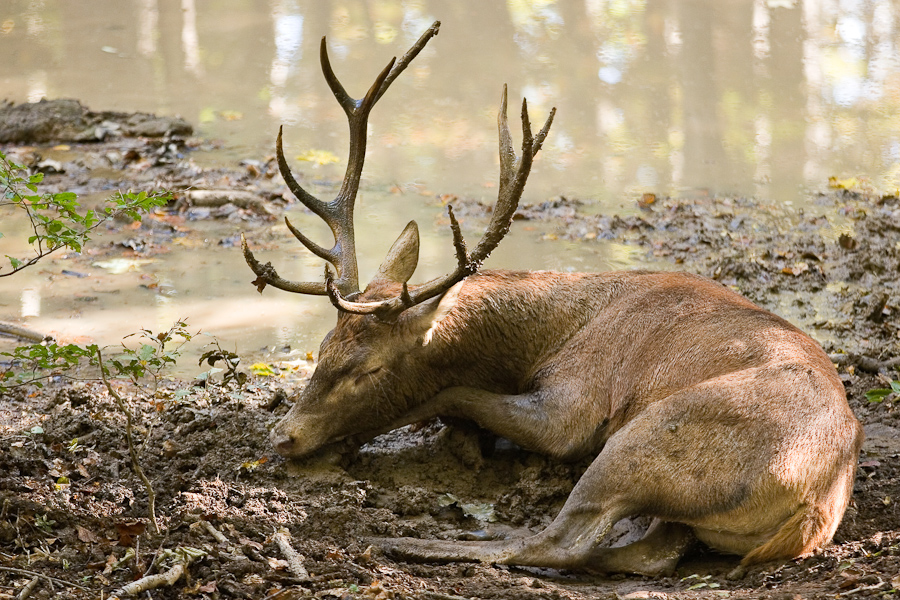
319 157
846 242
86 535
129 531
250 543
263 370
843 184
252 465
117 266
798 269
646 201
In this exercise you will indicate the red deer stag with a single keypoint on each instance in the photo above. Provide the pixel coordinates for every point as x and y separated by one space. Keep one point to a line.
715 417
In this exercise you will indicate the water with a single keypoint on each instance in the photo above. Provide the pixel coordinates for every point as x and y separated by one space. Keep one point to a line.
764 97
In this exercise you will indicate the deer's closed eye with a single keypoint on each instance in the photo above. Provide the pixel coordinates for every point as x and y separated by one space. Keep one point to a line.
368 373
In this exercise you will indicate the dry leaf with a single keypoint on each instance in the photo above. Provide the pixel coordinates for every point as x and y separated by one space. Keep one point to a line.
647 201
86 535
797 269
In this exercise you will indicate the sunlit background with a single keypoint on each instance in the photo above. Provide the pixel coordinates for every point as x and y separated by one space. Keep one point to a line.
766 98
758 97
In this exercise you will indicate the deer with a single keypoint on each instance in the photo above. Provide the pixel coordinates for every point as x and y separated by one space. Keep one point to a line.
718 420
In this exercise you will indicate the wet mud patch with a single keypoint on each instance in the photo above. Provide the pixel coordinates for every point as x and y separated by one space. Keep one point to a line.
68 120
73 509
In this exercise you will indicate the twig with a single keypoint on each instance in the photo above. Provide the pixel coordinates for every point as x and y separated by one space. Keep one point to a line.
866 588
156 556
186 556
222 539
294 560
28 588
865 363
218 535
47 577
135 462
151 582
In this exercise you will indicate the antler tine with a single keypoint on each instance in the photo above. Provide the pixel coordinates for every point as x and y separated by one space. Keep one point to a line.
408 57
357 112
337 214
309 201
513 175
266 275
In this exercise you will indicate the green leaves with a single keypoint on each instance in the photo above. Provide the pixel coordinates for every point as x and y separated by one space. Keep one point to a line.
876 396
36 362
230 361
57 220
155 353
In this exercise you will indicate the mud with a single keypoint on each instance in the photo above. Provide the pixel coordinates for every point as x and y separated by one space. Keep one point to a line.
72 508
69 121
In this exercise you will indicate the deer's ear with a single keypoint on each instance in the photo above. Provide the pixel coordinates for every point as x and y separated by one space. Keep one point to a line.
401 260
433 312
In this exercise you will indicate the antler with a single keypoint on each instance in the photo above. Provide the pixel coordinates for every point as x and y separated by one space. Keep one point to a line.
337 214
513 175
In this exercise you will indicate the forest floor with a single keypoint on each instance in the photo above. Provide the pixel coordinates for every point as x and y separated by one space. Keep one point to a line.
74 514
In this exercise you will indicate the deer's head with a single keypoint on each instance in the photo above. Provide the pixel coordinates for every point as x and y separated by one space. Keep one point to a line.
368 376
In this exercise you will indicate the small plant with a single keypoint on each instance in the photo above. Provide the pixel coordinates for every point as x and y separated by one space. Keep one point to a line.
876 396
701 582
156 352
44 523
230 361
57 219
33 364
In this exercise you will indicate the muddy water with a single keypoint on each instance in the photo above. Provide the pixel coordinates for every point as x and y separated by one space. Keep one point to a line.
766 98
105 295
757 97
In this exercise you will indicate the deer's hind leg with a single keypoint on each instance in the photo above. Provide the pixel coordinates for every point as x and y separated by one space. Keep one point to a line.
599 501
699 461
655 554
609 491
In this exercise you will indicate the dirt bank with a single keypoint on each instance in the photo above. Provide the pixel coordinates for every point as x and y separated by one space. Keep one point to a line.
71 507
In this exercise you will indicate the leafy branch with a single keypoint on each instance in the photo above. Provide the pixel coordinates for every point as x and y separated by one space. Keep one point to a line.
56 219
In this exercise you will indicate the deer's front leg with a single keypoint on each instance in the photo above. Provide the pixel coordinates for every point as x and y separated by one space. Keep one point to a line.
542 420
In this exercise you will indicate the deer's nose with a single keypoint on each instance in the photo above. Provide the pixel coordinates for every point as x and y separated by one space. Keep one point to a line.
285 444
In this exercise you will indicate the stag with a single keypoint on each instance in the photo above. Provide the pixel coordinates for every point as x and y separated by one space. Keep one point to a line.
714 417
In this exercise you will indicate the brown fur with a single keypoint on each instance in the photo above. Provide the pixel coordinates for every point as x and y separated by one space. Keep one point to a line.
716 417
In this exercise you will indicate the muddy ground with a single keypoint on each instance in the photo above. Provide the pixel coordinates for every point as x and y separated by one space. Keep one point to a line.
73 513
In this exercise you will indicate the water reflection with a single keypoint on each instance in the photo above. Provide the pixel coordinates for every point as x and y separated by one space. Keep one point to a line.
764 97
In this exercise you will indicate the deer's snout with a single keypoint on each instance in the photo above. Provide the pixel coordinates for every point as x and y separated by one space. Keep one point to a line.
285 444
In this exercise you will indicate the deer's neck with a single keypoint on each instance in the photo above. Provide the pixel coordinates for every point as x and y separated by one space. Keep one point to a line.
506 323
